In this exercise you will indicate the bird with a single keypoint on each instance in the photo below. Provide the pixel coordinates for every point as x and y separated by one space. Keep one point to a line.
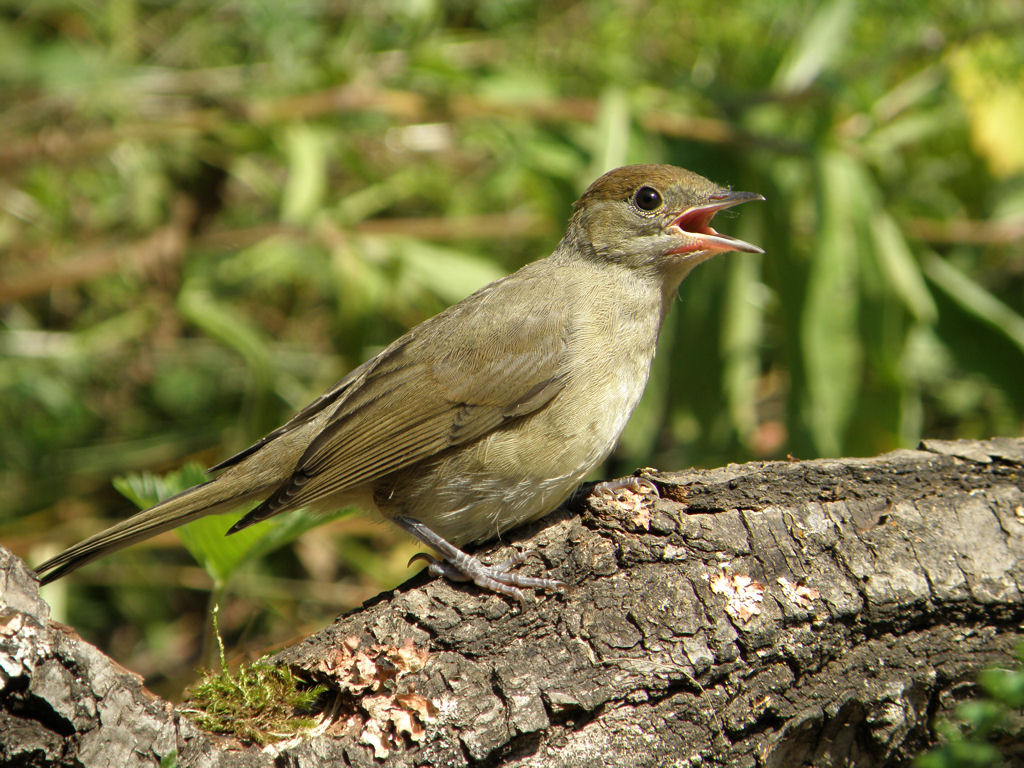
491 413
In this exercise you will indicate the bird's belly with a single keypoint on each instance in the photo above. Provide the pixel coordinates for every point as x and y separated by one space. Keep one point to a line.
517 474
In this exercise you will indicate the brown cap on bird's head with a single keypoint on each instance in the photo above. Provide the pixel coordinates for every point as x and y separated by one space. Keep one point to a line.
641 214
621 183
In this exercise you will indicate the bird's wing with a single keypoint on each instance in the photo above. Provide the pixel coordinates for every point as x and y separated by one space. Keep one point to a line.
461 375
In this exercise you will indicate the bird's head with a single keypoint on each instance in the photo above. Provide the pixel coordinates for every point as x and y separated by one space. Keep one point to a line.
655 217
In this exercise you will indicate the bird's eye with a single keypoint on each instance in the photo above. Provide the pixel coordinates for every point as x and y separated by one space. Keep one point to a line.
647 199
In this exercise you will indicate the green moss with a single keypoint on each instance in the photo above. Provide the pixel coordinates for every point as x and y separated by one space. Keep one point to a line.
261 703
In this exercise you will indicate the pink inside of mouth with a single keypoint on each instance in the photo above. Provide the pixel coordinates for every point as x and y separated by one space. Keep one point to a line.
697 222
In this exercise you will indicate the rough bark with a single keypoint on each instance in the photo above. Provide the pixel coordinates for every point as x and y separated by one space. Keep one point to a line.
772 614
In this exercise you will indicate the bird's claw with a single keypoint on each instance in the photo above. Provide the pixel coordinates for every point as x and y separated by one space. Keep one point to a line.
457 565
496 578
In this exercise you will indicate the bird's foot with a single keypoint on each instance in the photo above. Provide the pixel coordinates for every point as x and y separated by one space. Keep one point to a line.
457 565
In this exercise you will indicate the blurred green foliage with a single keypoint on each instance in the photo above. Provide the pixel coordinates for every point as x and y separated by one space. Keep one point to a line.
986 731
211 211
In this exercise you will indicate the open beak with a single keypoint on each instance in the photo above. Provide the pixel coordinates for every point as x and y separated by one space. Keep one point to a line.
695 223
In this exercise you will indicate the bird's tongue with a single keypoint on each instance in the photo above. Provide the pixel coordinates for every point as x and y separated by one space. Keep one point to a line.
696 223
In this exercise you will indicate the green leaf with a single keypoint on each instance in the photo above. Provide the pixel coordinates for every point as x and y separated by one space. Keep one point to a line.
227 325
829 332
304 191
374 198
963 753
975 299
448 273
742 329
613 124
145 489
1005 685
823 40
287 527
981 715
220 555
905 277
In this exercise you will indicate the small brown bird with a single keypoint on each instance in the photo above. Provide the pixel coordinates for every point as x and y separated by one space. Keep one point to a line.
489 414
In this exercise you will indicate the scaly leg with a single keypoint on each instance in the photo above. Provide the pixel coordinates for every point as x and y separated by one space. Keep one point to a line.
460 566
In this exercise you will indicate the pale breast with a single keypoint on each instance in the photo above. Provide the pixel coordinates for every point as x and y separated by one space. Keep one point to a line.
608 382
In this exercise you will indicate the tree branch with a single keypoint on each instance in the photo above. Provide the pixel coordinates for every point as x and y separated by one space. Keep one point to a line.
778 614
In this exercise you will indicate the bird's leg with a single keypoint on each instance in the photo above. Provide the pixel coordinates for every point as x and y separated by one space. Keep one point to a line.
460 566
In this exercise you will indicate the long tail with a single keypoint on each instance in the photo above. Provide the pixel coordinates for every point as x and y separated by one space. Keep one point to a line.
191 504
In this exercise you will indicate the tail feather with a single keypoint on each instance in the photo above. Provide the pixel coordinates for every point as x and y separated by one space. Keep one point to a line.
184 507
